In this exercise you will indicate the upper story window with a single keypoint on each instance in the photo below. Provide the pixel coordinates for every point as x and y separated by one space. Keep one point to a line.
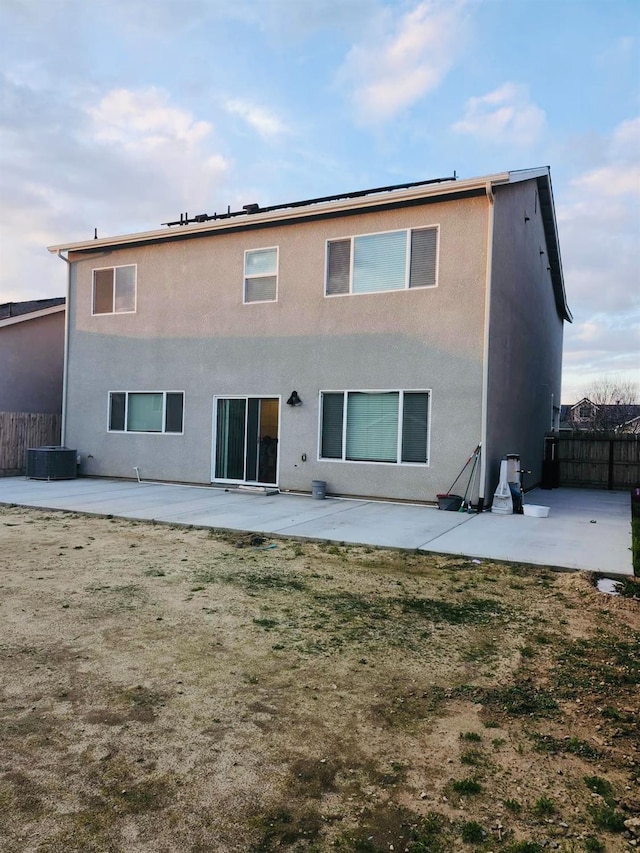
376 263
146 411
114 290
261 275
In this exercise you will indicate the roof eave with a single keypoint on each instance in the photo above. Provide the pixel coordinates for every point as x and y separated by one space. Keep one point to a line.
283 215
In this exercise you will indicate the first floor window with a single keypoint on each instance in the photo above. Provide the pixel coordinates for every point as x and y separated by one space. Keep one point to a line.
146 411
261 275
375 426
114 290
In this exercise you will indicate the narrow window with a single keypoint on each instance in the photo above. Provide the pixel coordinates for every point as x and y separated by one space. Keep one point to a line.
332 419
261 275
338 266
424 243
117 412
415 417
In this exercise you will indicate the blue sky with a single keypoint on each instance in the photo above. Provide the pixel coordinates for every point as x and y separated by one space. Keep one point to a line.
121 114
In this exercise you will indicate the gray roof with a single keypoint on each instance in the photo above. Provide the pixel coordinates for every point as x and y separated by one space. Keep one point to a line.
17 309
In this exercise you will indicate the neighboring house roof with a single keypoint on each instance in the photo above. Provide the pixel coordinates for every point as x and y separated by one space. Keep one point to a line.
381 198
17 312
602 413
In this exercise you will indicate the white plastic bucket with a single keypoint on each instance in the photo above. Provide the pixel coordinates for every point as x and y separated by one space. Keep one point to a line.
536 510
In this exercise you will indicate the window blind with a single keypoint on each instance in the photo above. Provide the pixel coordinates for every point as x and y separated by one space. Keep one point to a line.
423 257
379 262
415 410
338 267
261 289
332 421
372 426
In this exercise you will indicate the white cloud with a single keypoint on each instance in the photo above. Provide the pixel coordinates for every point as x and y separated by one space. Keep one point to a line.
400 61
599 226
265 122
143 120
124 162
505 116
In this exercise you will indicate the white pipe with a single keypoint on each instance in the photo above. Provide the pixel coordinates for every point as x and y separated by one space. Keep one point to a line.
137 470
67 313
485 365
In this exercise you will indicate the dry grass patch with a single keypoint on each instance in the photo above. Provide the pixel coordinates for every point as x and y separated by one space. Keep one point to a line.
171 689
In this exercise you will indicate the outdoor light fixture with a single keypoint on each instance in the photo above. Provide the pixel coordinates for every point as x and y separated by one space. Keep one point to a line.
294 399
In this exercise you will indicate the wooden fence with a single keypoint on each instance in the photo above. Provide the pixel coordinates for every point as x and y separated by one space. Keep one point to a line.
20 431
598 460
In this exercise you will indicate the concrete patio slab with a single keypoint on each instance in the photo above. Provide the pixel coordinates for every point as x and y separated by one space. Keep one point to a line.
586 529
378 523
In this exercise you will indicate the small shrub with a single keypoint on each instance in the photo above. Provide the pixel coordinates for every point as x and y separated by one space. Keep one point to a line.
607 818
593 845
472 736
472 832
543 807
466 786
471 756
600 786
512 805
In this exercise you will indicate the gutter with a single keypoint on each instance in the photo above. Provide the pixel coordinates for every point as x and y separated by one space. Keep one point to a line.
63 425
485 356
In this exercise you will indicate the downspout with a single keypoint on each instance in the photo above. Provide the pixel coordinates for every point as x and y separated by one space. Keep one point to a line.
485 356
67 313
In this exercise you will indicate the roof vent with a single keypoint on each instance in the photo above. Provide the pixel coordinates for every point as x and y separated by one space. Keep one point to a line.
251 208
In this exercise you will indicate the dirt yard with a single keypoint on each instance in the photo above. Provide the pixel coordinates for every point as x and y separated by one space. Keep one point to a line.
169 689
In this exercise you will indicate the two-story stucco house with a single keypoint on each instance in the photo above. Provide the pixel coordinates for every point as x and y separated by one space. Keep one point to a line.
369 340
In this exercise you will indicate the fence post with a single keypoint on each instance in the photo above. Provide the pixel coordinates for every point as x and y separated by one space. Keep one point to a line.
610 477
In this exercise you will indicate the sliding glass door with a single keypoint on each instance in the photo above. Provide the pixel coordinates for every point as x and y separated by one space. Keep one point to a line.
246 440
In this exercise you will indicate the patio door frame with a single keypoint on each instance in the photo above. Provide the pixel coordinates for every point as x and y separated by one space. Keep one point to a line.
246 397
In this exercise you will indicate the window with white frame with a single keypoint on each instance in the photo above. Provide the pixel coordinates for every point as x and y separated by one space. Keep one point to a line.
375 426
376 263
261 275
146 411
114 290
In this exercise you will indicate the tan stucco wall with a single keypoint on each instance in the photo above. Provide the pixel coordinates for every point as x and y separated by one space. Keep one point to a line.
191 332
31 358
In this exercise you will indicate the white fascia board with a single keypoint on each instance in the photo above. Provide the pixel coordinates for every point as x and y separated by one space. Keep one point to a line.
528 174
32 315
285 214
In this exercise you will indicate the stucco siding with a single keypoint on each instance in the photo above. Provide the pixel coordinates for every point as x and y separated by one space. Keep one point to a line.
31 361
191 332
525 343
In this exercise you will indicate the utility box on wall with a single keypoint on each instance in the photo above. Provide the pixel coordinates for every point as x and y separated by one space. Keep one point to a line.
51 463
